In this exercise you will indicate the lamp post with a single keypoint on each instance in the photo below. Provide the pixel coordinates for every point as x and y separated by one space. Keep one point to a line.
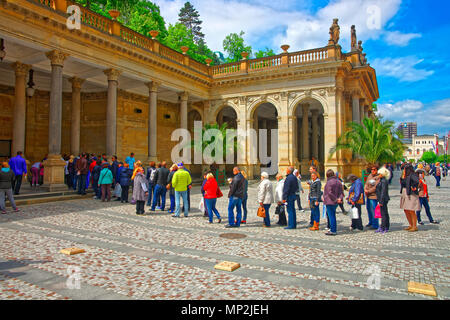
2 49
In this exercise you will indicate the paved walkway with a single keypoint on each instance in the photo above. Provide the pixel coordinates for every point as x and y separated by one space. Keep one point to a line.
159 257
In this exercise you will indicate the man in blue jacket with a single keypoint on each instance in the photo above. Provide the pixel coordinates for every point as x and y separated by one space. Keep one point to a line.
290 190
235 195
19 166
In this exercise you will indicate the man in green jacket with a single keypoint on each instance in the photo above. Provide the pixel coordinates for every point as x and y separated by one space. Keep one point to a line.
181 182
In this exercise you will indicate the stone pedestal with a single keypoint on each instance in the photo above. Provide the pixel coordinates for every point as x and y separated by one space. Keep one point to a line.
54 174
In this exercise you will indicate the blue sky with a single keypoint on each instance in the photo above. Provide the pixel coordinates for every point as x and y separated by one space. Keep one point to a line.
407 43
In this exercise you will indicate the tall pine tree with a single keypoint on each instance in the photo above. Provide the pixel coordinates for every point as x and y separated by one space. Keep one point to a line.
190 18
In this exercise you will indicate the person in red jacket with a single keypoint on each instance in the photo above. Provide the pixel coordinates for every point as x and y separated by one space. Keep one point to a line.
212 192
424 198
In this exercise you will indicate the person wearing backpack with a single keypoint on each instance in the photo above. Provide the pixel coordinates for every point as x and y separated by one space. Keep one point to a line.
438 175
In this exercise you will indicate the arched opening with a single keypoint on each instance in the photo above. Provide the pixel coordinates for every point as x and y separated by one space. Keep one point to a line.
229 117
310 134
265 117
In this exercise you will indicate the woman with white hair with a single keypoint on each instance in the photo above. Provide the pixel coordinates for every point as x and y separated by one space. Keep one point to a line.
265 196
382 191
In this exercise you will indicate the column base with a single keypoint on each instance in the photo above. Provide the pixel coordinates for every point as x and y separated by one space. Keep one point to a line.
54 174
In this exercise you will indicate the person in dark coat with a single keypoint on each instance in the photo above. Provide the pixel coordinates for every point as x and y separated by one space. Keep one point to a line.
290 190
315 195
140 190
357 195
382 192
19 166
160 181
6 182
151 187
235 196
95 176
125 181
173 169
333 194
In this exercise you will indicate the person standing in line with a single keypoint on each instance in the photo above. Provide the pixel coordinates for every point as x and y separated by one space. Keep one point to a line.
160 181
265 196
333 194
424 198
212 191
315 195
125 181
114 168
437 172
6 181
409 200
19 166
202 190
151 187
105 181
279 200
382 192
140 190
244 200
290 189
35 173
235 196
300 189
344 188
356 199
390 167
131 160
189 188
169 186
181 181
370 189
82 171
95 177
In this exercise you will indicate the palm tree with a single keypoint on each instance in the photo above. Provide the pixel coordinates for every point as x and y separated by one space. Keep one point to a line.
375 141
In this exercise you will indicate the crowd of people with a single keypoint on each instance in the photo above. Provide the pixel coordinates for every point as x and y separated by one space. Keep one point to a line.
151 184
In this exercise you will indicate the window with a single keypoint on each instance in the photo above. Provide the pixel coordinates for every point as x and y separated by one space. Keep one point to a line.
5 148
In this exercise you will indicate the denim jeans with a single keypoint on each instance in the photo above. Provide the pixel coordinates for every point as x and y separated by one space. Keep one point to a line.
151 189
426 205
75 182
331 214
160 191
244 208
234 202
315 211
172 202
292 216
211 206
82 184
267 218
184 195
371 204
6 193
438 181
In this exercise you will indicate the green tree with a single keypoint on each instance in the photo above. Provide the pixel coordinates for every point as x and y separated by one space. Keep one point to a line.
443 158
234 45
220 139
375 141
191 19
264 53
429 157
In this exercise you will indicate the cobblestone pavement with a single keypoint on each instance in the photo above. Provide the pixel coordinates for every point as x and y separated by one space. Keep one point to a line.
158 257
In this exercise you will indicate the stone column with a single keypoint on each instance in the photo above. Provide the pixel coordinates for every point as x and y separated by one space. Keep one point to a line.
284 134
111 111
361 111
356 117
184 110
18 143
315 134
54 165
76 115
322 155
305 139
152 121
366 111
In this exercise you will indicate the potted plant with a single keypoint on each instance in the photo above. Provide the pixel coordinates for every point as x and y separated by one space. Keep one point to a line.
114 13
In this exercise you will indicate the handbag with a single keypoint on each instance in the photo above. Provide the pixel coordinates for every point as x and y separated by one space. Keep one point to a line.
361 198
355 213
219 193
261 212
201 205
118 190
377 212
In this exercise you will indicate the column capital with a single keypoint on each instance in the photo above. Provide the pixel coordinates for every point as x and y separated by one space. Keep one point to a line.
184 96
112 74
153 86
20 68
76 82
356 93
57 57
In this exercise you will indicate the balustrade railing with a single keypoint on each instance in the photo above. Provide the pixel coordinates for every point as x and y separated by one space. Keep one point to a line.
136 38
171 54
225 69
264 63
308 56
93 19
47 3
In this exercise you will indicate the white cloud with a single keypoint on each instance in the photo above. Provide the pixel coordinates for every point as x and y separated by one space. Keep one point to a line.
403 68
301 29
431 118
397 38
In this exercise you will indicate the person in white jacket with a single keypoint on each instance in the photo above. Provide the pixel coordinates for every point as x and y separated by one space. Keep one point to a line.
279 200
265 196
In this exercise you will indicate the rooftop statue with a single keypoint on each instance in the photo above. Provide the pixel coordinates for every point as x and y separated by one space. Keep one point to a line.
334 33
353 36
